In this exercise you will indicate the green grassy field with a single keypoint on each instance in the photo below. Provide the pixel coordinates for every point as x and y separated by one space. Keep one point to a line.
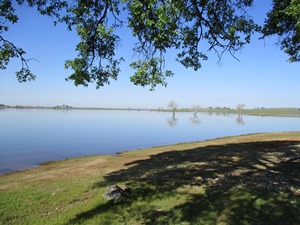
273 112
235 180
260 112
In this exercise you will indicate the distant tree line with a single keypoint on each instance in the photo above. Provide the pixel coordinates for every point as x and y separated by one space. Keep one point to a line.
63 107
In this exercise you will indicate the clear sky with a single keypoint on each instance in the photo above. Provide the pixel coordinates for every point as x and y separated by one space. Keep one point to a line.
261 78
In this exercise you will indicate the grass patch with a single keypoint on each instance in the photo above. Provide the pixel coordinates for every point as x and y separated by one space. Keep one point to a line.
286 112
233 180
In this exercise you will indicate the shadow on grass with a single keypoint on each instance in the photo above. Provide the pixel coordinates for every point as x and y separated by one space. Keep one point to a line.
245 183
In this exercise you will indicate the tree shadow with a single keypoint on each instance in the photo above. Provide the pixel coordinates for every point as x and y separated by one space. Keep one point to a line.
245 183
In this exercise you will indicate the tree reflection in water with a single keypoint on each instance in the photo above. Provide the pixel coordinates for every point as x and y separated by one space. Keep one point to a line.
239 120
172 122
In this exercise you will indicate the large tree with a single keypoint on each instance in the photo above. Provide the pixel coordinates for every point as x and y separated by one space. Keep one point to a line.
158 26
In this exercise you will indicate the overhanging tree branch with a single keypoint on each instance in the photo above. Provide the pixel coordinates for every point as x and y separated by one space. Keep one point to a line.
7 51
159 25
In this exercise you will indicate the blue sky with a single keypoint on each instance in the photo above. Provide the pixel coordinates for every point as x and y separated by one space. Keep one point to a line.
261 78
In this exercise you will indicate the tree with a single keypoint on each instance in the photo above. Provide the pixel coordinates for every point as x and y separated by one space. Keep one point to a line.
173 106
239 120
158 25
173 120
196 109
240 108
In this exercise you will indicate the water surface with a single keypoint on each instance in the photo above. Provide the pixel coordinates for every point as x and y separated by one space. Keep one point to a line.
29 137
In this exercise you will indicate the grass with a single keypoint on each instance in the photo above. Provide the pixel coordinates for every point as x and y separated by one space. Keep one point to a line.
286 112
273 112
233 180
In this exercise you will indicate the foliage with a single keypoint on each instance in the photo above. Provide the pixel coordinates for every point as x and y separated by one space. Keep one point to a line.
284 20
159 26
7 49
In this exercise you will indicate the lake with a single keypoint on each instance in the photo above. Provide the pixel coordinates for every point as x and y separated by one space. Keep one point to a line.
29 137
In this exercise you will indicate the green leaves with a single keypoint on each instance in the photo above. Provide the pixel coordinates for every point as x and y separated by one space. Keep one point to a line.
7 12
183 25
8 51
149 73
25 75
98 43
96 61
191 28
156 25
284 21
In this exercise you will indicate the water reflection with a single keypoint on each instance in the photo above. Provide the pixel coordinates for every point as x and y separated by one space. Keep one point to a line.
195 120
172 122
239 120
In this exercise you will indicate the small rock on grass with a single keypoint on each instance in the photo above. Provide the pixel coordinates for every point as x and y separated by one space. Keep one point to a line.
116 193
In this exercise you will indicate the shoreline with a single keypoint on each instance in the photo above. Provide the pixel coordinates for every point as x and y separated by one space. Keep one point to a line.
277 112
155 148
212 179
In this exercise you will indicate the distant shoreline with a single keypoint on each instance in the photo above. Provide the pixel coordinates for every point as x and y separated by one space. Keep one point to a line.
286 112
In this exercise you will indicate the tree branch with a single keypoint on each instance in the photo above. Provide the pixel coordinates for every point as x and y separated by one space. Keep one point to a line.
17 52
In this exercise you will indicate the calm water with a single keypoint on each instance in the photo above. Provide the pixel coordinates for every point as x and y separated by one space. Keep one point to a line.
29 136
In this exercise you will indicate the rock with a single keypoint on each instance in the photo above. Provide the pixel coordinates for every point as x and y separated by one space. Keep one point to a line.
116 193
